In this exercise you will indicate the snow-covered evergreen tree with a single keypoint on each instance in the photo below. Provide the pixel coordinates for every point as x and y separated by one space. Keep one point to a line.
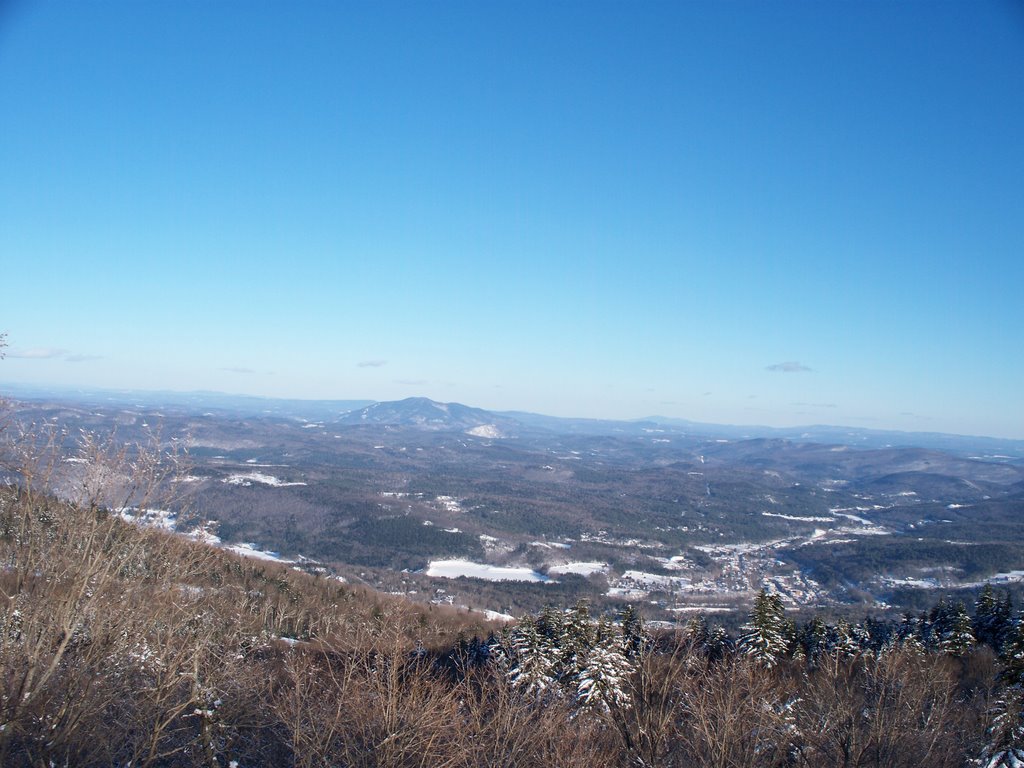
954 633
579 635
568 653
533 657
1012 656
604 675
993 618
634 636
909 636
697 631
1005 747
841 641
719 643
813 638
765 637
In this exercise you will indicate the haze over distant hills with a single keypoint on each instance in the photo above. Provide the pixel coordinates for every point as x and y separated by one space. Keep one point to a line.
429 414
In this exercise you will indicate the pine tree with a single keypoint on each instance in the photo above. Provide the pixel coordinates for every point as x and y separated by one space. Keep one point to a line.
603 674
1012 656
954 632
533 659
993 619
1005 747
634 637
604 677
881 634
841 641
935 625
578 636
697 632
910 634
813 638
985 608
764 637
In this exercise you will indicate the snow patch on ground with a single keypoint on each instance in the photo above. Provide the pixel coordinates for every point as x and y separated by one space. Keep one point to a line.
250 550
248 478
449 503
155 518
496 616
626 593
921 583
486 430
840 512
1008 577
799 519
453 569
654 580
578 568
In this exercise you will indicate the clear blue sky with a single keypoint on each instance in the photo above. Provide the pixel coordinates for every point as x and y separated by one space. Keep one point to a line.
775 213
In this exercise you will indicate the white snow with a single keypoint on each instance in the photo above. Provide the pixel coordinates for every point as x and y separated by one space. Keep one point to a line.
486 430
922 583
450 503
655 580
452 569
250 550
839 512
204 535
248 478
156 518
799 519
579 568
496 616
997 578
629 594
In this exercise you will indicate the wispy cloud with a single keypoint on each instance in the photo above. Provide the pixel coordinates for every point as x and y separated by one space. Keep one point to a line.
815 405
371 363
239 370
790 366
38 353
51 353
411 382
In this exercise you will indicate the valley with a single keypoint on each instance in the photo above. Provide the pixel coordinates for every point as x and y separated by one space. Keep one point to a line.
505 513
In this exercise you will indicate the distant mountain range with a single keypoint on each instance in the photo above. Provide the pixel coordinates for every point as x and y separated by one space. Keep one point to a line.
424 413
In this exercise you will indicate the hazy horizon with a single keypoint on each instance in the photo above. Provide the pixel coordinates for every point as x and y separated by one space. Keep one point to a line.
59 392
736 213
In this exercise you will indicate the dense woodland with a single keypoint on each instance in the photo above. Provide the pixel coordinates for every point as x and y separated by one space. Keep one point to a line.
124 645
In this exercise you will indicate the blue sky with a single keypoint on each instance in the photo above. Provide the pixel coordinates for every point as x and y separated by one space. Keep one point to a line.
763 213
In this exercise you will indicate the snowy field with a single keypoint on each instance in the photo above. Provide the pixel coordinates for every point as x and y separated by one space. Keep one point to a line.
248 478
452 569
580 569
